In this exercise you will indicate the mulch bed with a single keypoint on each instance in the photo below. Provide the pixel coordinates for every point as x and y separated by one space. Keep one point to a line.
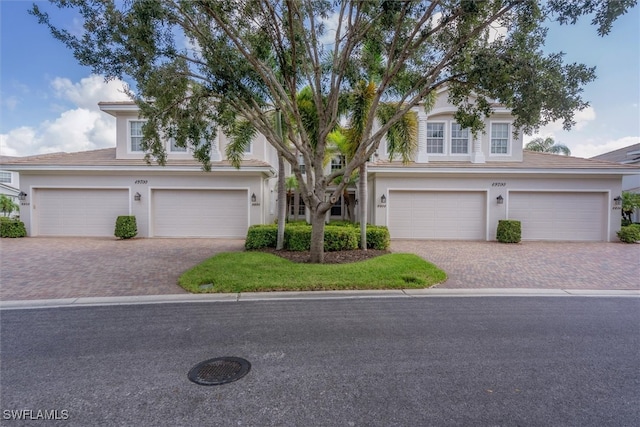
337 257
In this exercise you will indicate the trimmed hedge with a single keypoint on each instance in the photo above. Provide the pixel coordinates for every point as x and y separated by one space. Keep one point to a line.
126 227
12 228
629 233
297 237
509 231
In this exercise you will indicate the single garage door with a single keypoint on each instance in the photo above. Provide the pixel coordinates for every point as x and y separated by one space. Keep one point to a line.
78 212
200 213
454 215
559 216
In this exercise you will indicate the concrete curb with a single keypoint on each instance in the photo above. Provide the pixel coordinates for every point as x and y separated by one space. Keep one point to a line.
314 295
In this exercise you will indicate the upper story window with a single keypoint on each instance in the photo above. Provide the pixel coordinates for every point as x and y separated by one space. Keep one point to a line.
499 138
301 164
459 139
435 138
5 177
175 148
135 135
337 163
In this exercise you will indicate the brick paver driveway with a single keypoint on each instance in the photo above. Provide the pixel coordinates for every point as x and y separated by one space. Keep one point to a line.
43 268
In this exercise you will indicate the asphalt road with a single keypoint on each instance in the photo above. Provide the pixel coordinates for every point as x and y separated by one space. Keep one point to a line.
484 361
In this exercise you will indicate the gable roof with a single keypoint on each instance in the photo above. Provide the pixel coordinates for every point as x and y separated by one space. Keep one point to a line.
626 155
531 162
105 159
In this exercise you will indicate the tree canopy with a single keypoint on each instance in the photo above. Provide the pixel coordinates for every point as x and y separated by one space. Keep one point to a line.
547 145
198 65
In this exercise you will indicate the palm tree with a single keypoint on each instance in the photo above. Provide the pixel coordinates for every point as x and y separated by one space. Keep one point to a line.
547 145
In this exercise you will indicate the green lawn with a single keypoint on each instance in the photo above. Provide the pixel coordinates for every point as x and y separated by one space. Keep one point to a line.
258 271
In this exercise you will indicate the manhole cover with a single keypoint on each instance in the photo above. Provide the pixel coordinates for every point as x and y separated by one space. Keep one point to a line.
220 370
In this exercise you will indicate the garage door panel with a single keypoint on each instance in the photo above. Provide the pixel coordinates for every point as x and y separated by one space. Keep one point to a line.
200 213
437 215
559 215
79 212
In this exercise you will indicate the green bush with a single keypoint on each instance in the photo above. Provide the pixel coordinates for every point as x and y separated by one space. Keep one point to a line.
378 237
12 228
629 233
509 231
339 238
126 227
297 238
261 236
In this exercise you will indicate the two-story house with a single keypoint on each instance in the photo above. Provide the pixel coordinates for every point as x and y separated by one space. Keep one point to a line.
457 187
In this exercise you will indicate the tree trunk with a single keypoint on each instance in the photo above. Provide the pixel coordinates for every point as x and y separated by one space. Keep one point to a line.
362 189
282 204
296 204
317 236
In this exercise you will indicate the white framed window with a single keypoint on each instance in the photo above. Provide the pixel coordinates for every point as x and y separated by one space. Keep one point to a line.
5 177
303 168
249 148
135 135
337 163
174 148
500 138
435 138
459 139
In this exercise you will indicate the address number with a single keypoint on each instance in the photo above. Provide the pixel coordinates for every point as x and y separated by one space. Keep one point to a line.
499 184
141 181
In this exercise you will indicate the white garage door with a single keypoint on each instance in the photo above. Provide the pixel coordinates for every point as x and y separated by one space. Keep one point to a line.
78 212
200 213
437 215
559 216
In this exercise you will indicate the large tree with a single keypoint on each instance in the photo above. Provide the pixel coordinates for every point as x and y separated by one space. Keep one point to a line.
547 145
199 64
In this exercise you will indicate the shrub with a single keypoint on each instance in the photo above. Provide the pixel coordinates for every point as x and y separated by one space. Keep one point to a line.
377 237
297 238
261 236
126 227
624 222
629 233
12 228
339 238
509 231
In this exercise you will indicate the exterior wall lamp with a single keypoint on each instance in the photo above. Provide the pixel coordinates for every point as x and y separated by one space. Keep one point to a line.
617 201
500 199
253 198
22 196
137 197
383 199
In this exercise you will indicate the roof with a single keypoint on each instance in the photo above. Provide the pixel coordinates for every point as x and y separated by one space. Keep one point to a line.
531 161
106 159
626 155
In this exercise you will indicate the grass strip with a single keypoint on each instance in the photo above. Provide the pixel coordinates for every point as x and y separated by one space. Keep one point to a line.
260 272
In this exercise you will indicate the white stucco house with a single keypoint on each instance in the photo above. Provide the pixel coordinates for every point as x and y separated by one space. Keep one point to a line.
457 187
10 183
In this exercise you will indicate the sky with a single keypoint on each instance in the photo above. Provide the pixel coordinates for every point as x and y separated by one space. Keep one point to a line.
49 103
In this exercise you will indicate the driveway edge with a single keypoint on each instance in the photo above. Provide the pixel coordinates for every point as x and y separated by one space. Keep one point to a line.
314 295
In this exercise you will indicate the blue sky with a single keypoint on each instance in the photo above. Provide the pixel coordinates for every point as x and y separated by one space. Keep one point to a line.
48 103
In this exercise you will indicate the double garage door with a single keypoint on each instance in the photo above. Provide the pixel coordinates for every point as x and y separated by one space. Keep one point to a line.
174 213
560 215
199 213
78 212
450 215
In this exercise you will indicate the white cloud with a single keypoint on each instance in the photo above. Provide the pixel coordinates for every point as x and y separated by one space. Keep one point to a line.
590 149
83 127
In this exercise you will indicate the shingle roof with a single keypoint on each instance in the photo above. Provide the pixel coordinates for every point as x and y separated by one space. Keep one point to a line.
530 160
627 155
107 157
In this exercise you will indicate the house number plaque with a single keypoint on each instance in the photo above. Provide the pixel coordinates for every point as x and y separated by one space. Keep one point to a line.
141 181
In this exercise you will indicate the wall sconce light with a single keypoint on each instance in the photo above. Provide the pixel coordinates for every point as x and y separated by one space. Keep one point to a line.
22 196
383 199
500 199
617 201
253 198
137 197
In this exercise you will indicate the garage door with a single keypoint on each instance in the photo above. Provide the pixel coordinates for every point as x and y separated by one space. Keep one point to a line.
559 216
200 213
78 212
437 215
